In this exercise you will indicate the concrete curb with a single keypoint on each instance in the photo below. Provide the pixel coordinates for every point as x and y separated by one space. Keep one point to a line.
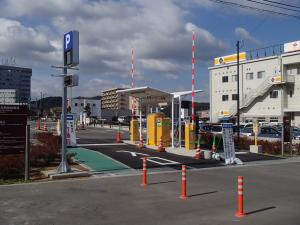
53 175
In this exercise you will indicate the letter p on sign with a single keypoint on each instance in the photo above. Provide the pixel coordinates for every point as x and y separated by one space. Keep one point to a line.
67 40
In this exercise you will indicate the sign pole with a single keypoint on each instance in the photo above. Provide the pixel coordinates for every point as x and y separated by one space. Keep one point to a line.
27 153
64 167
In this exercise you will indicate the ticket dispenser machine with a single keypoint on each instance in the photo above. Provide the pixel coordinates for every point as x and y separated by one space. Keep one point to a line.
163 131
152 127
190 136
134 130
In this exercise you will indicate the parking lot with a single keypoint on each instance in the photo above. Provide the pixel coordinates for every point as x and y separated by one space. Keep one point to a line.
271 197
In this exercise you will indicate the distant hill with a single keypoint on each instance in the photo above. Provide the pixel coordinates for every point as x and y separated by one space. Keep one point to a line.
48 102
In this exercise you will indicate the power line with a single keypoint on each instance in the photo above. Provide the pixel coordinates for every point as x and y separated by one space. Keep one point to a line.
268 4
280 3
254 8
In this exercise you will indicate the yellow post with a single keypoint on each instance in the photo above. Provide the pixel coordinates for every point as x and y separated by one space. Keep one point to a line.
163 131
255 130
134 130
190 136
153 120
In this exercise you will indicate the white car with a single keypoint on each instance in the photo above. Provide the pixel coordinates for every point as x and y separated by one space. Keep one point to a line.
121 119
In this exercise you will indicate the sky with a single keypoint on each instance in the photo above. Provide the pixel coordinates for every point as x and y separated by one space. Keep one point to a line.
159 31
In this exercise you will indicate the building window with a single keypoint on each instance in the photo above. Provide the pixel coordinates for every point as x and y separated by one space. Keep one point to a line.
75 104
224 98
234 97
234 78
81 104
298 71
225 79
291 93
94 105
261 74
249 76
273 94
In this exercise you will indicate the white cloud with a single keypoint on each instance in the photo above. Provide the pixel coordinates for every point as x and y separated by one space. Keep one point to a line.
158 30
246 36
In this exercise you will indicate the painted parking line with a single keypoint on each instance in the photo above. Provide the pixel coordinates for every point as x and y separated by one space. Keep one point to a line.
106 144
158 160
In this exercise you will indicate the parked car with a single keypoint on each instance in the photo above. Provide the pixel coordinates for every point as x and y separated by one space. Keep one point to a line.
216 129
247 131
296 132
205 127
124 119
269 132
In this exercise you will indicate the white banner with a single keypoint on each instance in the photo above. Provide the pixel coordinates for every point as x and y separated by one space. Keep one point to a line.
71 133
228 143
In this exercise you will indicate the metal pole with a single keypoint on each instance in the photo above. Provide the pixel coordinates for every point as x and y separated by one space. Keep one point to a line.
63 167
238 93
27 153
179 121
172 121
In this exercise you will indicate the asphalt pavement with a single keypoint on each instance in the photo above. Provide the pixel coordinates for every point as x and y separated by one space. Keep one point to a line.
102 140
271 197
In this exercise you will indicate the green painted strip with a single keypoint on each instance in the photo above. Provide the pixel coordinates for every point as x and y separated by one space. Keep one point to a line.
97 161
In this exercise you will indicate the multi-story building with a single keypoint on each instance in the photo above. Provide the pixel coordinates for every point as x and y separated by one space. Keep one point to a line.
8 96
18 79
79 105
269 86
113 100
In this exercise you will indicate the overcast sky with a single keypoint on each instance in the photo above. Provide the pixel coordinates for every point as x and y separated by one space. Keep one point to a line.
160 31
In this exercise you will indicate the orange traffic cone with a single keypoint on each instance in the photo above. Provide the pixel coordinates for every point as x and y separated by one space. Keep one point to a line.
119 140
141 145
38 124
45 126
161 146
198 151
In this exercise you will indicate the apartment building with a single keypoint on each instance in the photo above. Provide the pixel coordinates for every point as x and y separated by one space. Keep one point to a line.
113 100
269 86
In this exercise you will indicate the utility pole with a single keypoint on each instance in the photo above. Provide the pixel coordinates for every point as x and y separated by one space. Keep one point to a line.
238 93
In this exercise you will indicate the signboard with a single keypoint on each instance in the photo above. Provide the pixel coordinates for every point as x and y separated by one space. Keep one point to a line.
71 80
228 143
13 120
71 48
71 133
229 59
292 46
276 79
224 113
286 129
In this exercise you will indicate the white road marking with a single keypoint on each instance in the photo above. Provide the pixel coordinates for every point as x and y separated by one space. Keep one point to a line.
82 145
168 162
134 154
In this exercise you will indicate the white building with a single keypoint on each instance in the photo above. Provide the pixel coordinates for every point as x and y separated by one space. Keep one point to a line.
79 105
269 86
8 96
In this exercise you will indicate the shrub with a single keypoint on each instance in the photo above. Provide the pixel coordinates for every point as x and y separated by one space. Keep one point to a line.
11 166
42 155
46 151
273 148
